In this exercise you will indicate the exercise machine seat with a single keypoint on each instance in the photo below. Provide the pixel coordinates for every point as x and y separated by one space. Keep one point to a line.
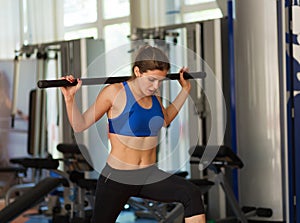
30 198
37 163
224 157
76 156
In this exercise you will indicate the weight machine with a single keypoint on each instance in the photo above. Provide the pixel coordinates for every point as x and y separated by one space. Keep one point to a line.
39 147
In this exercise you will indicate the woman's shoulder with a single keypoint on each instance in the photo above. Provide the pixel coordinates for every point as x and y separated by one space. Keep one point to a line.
113 89
110 92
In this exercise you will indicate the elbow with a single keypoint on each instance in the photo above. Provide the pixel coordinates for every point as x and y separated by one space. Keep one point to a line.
168 120
79 126
77 129
167 123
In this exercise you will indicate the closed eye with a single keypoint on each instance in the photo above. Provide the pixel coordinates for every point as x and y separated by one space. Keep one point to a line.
151 79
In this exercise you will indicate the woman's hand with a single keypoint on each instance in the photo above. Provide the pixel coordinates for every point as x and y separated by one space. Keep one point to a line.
70 91
172 110
185 84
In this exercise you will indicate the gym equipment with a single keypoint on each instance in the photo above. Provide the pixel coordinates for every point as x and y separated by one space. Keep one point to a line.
34 193
78 192
34 146
19 171
224 158
36 163
29 199
111 80
260 212
15 90
79 196
227 158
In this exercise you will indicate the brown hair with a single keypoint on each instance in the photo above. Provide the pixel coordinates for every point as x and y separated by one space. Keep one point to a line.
151 58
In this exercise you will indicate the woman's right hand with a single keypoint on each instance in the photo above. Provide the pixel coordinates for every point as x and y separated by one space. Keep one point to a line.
70 91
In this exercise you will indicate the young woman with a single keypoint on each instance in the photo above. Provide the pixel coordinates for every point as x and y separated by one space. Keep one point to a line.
135 116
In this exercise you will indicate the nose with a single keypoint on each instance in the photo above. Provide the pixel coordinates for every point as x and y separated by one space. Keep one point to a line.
156 84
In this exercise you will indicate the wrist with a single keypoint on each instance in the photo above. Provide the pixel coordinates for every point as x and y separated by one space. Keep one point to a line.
69 98
187 89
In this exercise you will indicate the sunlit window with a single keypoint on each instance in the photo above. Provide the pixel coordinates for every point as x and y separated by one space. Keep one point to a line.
115 8
116 35
202 15
118 47
193 2
79 12
82 33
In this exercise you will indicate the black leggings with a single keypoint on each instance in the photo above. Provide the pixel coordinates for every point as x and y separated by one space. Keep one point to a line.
114 189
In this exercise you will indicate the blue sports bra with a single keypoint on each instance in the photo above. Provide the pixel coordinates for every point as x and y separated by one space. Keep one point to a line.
136 120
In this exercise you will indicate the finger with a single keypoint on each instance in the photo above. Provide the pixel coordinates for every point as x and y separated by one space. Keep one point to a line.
79 82
69 78
182 70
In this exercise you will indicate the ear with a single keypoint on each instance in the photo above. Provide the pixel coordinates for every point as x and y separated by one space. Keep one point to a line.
136 71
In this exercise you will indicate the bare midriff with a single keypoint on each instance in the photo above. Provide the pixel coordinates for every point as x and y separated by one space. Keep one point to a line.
129 152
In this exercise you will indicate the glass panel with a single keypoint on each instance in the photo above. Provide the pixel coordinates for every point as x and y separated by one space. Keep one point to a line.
116 35
116 40
79 12
83 33
202 15
115 8
193 2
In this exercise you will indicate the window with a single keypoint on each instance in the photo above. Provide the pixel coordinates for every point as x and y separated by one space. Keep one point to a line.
200 10
193 2
112 9
116 34
83 33
79 12
116 40
202 15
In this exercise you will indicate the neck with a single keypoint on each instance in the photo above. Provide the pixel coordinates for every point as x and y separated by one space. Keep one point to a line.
136 90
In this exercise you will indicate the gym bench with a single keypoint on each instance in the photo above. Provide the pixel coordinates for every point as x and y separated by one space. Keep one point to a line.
225 157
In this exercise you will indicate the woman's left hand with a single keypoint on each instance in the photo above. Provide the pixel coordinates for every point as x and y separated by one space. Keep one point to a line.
185 84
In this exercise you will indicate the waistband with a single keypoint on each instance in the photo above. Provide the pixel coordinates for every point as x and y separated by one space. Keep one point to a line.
141 176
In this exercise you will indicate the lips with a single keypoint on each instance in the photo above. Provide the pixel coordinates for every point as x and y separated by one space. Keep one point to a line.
152 91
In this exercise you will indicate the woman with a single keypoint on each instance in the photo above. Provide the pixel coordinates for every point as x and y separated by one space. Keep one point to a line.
135 116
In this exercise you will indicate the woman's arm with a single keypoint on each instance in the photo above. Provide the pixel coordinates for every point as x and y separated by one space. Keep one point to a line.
172 110
81 121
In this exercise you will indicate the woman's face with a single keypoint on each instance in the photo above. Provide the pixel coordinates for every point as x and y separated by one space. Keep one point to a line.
150 81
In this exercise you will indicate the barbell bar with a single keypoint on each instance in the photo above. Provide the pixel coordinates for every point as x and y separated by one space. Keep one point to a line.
112 80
